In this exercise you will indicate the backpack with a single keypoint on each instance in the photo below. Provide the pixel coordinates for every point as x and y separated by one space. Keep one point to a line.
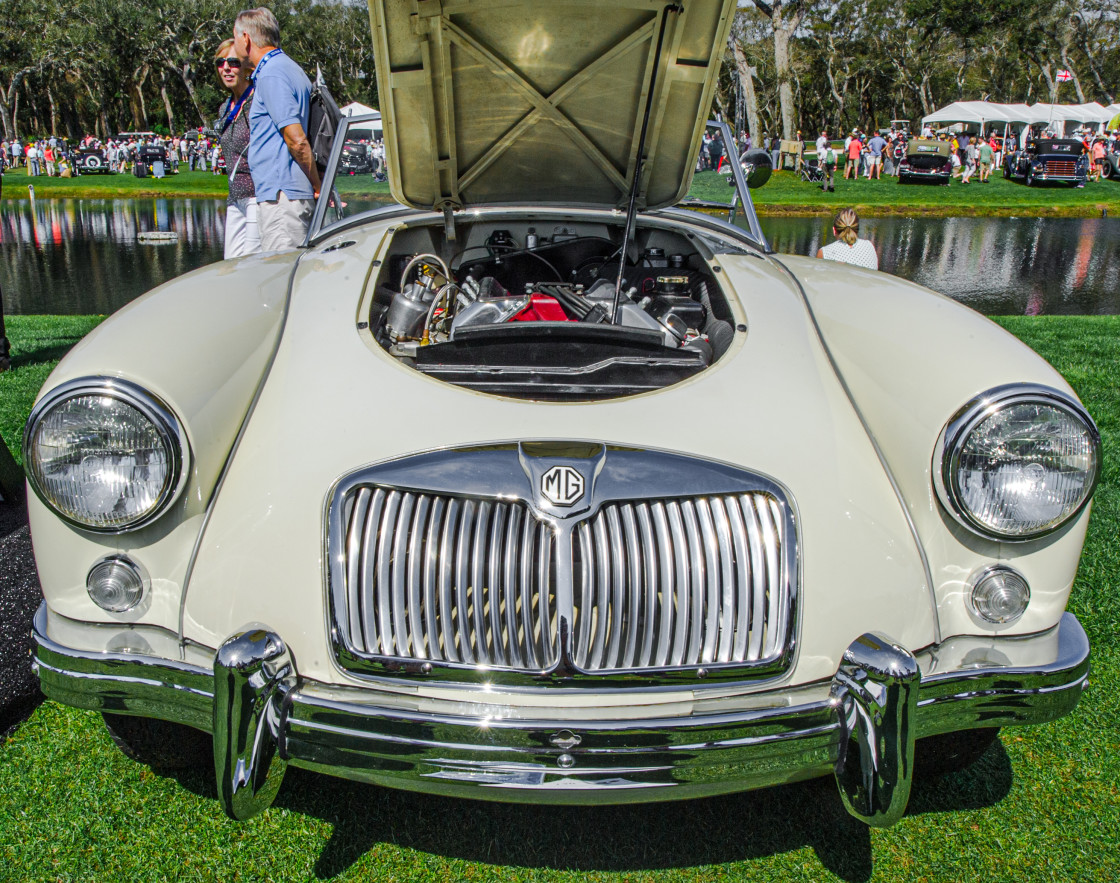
830 157
322 123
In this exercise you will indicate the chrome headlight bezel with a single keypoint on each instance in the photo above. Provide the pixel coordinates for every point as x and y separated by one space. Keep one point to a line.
948 449
152 408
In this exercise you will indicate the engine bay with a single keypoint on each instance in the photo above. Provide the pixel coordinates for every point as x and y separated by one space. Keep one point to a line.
552 311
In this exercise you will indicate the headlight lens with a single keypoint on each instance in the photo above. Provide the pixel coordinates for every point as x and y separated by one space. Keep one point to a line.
104 454
1019 462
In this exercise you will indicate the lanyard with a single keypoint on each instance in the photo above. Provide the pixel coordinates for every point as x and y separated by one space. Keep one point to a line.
236 108
264 60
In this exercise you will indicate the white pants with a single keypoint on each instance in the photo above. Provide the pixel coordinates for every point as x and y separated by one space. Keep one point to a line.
284 222
242 233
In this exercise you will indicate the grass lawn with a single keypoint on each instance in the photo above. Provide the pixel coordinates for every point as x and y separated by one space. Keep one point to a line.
1042 804
185 184
785 194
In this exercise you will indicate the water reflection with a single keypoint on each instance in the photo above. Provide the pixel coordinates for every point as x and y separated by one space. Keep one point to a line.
999 266
82 256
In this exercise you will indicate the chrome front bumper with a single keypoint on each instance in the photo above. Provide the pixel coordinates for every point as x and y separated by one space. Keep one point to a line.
861 726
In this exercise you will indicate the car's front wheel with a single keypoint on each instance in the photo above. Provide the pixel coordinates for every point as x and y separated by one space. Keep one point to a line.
951 752
160 744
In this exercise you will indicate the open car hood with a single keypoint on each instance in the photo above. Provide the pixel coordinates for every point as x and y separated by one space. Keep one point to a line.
522 101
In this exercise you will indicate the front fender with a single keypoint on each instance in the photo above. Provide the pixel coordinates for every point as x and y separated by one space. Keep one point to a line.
218 331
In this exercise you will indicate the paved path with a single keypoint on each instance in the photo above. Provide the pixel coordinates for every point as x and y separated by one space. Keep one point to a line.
19 599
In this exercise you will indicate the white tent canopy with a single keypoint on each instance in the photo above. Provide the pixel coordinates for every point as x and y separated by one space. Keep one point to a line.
1057 117
356 109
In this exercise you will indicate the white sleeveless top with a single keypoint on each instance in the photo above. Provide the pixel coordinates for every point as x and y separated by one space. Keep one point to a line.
862 254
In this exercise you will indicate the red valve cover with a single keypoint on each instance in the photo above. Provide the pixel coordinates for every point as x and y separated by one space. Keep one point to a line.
542 308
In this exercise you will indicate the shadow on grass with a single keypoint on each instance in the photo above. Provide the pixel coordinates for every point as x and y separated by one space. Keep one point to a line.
683 834
48 353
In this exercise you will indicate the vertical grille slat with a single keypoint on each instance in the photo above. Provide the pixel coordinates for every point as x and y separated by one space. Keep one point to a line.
511 586
651 568
665 583
633 587
369 572
618 586
726 581
680 600
499 653
758 577
697 572
525 583
354 532
416 535
708 543
430 585
399 564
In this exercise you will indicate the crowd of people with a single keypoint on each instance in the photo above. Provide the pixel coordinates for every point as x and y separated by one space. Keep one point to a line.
261 141
872 155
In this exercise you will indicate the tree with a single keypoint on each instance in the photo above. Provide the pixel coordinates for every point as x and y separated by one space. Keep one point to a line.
786 17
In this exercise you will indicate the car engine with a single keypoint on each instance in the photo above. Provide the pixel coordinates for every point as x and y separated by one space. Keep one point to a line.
535 316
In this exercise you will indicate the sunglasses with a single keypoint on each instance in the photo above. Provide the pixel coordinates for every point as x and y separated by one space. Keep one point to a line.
229 62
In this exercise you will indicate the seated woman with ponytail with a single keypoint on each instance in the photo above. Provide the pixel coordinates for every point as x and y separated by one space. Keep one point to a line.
848 247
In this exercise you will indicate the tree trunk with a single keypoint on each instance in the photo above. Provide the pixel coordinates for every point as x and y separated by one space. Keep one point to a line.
185 75
1051 83
746 79
54 111
782 34
167 106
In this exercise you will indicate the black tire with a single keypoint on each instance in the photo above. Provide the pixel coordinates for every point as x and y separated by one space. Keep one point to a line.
160 744
1109 171
1007 171
951 752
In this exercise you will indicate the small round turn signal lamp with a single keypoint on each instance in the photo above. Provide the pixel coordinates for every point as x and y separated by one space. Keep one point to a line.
1000 595
116 584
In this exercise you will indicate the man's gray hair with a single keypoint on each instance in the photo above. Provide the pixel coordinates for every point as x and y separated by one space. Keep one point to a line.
261 26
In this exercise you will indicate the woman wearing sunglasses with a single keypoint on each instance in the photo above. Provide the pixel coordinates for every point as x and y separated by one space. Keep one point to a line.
242 233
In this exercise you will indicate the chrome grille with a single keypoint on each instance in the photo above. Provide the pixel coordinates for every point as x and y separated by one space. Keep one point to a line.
1065 167
446 579
680 582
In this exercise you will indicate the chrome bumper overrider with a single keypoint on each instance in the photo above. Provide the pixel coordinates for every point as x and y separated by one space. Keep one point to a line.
861 726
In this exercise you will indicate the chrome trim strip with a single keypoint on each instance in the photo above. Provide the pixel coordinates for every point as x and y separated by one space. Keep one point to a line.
946 453
887 471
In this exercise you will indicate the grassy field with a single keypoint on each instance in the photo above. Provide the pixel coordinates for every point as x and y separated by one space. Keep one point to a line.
199 184
1042 804
785 194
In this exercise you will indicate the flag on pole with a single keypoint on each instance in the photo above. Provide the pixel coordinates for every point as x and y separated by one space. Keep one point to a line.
1064 76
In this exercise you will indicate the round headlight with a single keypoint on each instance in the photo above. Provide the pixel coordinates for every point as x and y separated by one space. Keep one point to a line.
104 454
1018 462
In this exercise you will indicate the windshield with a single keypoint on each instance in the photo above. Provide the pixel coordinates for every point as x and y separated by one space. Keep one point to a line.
353 188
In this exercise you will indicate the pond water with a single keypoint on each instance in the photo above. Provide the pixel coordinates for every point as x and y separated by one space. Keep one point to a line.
82 256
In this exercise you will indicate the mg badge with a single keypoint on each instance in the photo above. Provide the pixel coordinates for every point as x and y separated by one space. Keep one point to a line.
562 485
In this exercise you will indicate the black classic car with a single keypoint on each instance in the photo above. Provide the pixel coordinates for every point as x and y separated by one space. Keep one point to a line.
926 160
355 159
1049 159
90 161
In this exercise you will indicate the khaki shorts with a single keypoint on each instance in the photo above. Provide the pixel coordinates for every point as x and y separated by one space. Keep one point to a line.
283 222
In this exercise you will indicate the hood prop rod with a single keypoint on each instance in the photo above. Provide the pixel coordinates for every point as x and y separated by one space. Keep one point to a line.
639 162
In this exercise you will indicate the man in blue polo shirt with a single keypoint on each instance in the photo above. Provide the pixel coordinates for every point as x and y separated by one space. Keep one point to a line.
280 157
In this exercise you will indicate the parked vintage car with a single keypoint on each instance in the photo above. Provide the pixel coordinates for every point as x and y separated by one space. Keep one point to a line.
535 487
355 159
926 160
1049 159
91 161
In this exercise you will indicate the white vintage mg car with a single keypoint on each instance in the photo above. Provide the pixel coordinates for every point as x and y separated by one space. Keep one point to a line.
537 486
